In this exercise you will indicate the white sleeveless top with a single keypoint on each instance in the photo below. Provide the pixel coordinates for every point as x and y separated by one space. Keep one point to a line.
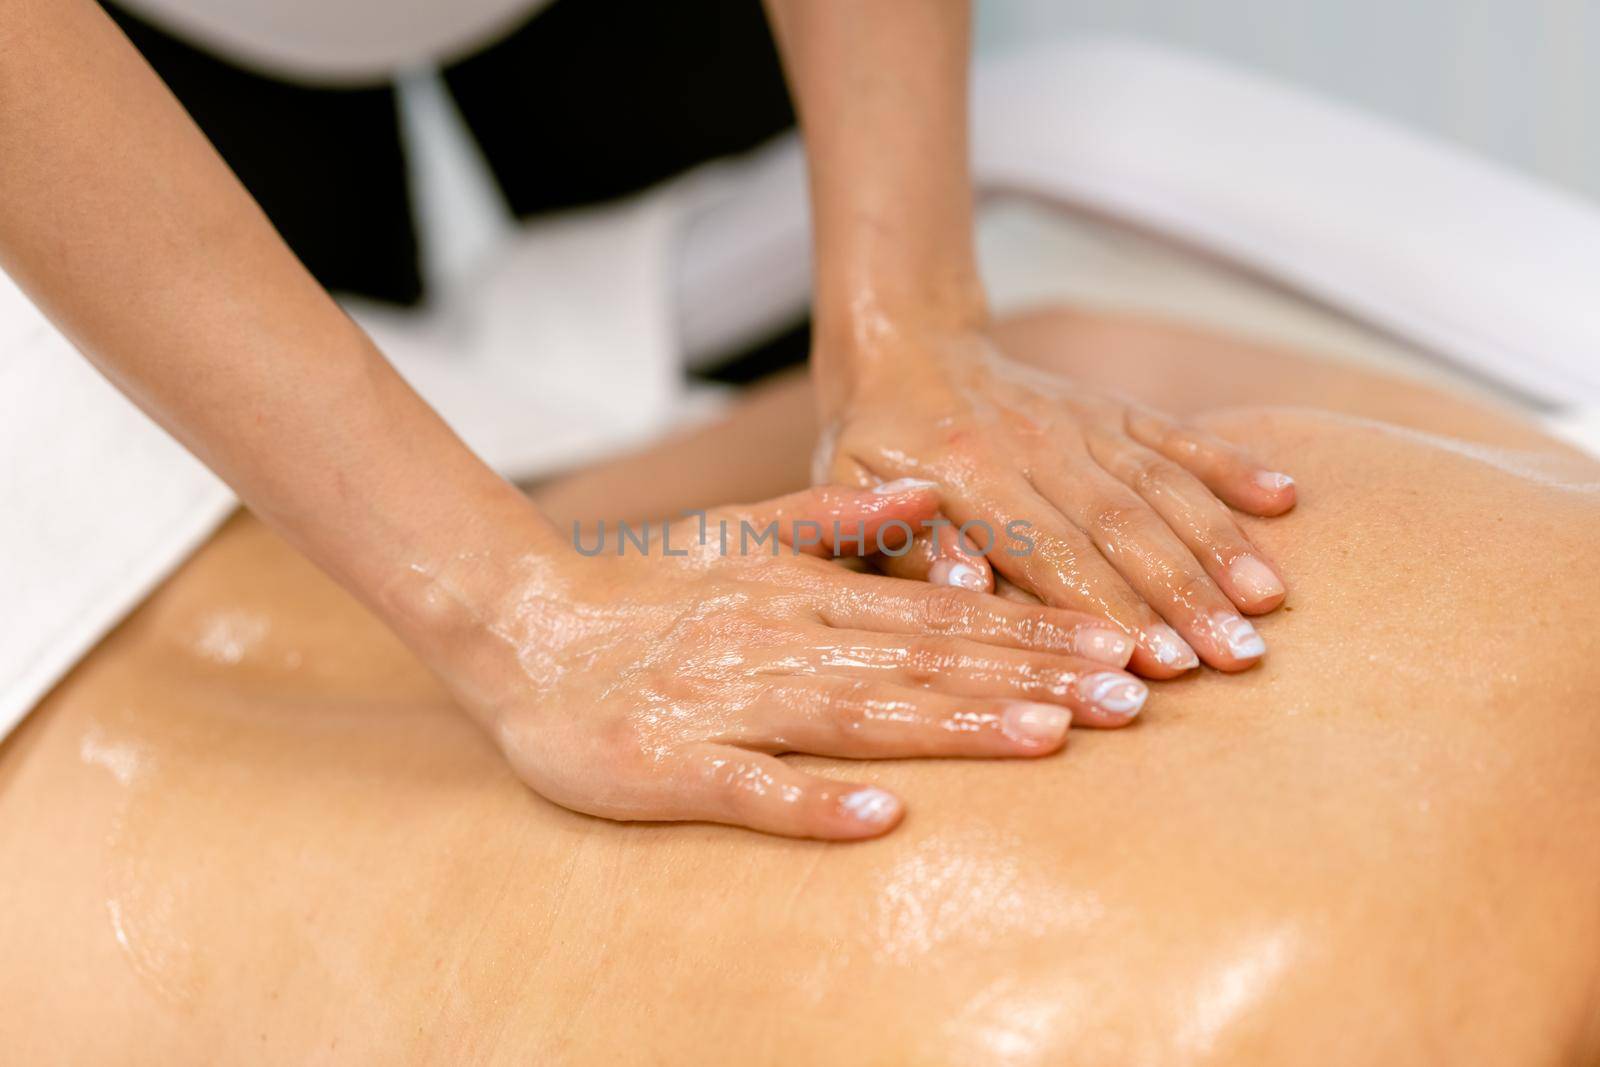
336 42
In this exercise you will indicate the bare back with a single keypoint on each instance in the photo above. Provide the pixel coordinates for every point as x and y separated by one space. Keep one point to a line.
251 825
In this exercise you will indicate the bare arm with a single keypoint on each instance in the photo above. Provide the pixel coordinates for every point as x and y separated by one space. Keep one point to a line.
882 92
1122 504
120 221
640 689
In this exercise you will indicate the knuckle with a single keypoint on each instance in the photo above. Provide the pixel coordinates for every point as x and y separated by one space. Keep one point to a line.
1114 518
685 630
1152 475
926 659
739 792
966 441
946 610
738 786
849 702
741 627
1183 440
623 749
1196 588
1030 626
1221 535
1153 428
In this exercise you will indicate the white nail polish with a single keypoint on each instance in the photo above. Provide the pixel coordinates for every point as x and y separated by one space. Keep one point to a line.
1254 578
1240 637
1169 649
1272 481
902 485
1116 694
1035 724
870 805
950 572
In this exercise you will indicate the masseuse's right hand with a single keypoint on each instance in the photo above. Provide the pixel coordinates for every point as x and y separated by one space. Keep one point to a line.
656 687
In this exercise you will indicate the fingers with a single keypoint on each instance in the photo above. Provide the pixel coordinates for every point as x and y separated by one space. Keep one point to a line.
1195 516
940 553
832 520
1225 469
724 784
1147 554
856 719
1006 588
885 605
943 555
852 718
1095 693
1058 563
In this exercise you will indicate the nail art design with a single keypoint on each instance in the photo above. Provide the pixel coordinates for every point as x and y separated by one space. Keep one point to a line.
1241 638
951 572
1170 650
1273 480
870 805
1115 694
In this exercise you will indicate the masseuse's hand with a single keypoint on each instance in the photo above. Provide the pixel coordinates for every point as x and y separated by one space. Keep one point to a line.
1081 498
1122 505
658 687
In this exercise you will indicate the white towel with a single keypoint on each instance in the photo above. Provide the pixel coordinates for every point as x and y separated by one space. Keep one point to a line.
99 505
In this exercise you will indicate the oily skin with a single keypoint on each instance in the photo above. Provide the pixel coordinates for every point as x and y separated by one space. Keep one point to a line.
1129 508
254 827
123 225
661 687
1118 500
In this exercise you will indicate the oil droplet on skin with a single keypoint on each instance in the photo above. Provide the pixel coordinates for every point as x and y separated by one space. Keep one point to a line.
1234 985
144 905
228 637
969 887
1017 1022
123 760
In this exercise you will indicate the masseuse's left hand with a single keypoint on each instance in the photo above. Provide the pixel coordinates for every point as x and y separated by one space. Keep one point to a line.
1080 497
1118 502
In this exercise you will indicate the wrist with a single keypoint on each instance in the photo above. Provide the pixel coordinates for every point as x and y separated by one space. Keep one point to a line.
866 346
483 611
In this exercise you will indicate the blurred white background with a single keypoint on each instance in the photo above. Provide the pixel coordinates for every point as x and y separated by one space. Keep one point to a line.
1517 80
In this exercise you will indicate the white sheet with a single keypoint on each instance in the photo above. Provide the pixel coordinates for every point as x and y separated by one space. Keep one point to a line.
98 505
1463 257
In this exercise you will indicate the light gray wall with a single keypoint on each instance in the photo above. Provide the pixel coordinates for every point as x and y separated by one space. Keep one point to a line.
1518 80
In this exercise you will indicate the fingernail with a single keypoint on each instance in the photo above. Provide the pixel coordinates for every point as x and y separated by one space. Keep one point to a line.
1254 579
1107 646
902 485
1240 637
1035 724
1272 481
950 572
1116 694
870 805
1169 649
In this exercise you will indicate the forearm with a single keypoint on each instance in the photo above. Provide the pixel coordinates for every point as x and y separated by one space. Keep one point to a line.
882 94
123 225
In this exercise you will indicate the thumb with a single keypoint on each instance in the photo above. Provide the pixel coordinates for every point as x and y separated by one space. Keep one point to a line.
941 554
832 520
